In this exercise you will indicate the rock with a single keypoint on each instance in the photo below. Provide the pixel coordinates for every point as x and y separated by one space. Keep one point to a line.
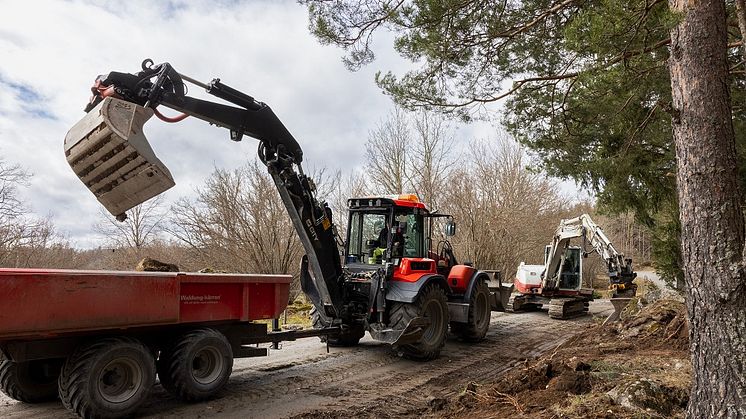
437 403
647 395
152 265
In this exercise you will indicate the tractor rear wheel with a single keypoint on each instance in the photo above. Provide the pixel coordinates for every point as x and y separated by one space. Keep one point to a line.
197 365
432 304
30 381
349 336
479 316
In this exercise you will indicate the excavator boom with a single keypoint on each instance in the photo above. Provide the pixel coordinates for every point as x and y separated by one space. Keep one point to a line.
108 151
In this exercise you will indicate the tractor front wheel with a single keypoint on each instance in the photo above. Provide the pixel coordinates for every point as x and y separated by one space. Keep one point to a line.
479 316
432 304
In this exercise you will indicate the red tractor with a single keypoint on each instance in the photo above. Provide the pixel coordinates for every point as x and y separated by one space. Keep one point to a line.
411 282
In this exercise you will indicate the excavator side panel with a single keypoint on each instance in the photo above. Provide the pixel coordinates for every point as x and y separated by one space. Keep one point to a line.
108 151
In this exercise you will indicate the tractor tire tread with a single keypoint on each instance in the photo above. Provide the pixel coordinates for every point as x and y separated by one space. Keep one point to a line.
400 314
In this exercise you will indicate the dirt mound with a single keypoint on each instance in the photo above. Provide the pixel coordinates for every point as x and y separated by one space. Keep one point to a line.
637 368
152 265
661 323
567 375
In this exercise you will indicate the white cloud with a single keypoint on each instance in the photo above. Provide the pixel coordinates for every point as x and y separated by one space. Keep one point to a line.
55 49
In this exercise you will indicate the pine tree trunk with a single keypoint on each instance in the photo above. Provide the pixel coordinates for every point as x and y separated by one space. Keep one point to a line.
712 237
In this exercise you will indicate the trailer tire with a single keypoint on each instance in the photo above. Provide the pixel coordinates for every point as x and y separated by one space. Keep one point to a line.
478 324
349 336
197 365
431 303
30 381
108 378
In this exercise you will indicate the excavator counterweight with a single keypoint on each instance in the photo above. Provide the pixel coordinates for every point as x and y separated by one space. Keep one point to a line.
108 151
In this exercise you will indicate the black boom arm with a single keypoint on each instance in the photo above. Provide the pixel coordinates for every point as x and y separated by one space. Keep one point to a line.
161 85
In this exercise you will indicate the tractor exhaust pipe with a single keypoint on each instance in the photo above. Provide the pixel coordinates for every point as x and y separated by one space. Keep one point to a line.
109 153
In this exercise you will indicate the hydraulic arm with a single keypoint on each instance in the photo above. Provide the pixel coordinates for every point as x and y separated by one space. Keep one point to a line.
108 151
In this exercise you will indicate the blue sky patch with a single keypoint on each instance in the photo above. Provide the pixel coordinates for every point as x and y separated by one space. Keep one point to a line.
32 102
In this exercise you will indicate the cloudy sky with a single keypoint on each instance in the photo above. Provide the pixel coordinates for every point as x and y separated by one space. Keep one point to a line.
52 51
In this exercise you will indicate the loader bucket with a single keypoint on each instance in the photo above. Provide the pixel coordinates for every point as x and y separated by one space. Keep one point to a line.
108 151
412 332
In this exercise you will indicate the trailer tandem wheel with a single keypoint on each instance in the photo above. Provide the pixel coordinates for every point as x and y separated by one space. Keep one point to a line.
108 378
197 365
30 381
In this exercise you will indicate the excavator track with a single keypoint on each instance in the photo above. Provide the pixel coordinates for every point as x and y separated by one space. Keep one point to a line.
519 302
511 304
567 308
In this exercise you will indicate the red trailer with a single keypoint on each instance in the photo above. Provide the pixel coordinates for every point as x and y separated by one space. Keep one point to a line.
97 339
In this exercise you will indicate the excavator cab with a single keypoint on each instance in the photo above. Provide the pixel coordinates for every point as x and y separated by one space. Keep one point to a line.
571 272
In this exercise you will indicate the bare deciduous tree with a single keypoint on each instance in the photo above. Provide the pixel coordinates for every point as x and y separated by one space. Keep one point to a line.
19 231
506 212
386 154
142 226
410 153
11 176
238 223
346 186
431 158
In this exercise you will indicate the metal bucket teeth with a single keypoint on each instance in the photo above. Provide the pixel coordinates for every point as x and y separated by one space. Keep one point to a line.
108 151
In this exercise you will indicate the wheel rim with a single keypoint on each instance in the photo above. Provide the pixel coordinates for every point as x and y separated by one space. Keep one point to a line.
207 365
120 380
434 312
481 313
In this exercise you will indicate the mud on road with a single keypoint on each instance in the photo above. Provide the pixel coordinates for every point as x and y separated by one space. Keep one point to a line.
304 380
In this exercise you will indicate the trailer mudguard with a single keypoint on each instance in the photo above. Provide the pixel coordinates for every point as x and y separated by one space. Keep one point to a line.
406 292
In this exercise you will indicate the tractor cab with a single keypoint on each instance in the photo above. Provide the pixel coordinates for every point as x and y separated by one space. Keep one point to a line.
393 229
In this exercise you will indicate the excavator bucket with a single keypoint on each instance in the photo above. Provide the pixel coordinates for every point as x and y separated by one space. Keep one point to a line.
108 151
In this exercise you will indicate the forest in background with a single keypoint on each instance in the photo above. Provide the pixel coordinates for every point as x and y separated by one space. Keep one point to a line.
505 207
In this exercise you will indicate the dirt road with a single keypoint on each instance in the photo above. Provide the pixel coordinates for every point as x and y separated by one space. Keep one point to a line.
302 379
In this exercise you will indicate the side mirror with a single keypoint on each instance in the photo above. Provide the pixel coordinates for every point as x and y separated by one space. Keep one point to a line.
450 228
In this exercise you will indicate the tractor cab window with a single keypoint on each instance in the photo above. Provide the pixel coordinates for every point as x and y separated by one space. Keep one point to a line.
367 238
413 234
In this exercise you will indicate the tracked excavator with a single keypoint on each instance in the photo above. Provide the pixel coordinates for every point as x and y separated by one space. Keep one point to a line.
395 282
558 282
